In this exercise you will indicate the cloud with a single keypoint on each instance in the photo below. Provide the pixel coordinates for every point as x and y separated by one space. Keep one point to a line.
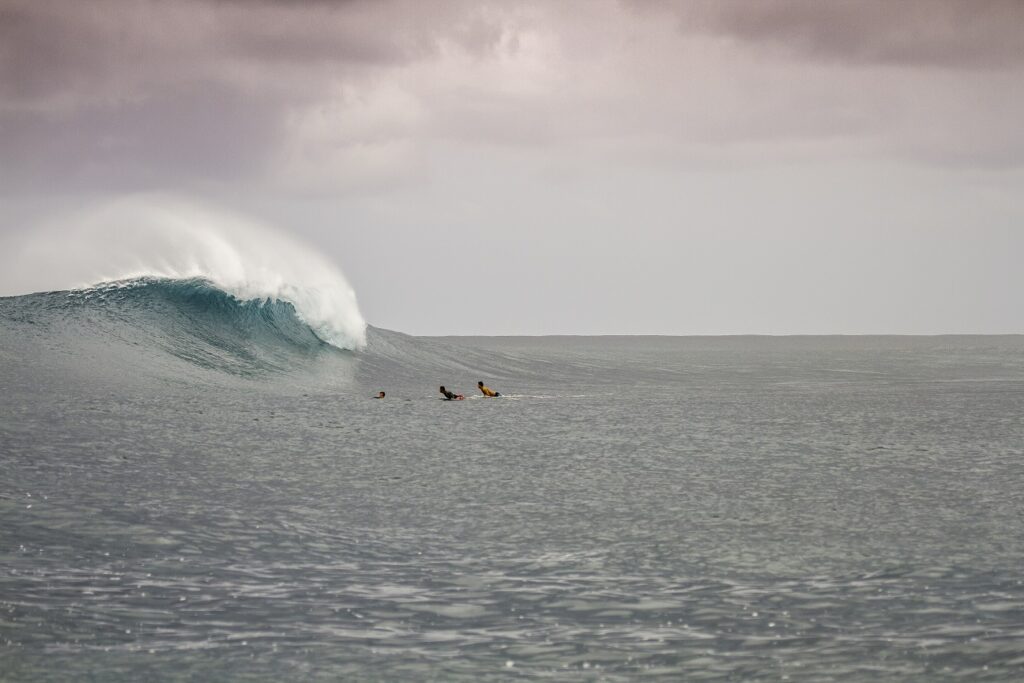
357 96
969 34
105 51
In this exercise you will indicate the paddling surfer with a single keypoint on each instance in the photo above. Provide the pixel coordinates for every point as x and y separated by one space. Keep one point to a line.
487 391
450 395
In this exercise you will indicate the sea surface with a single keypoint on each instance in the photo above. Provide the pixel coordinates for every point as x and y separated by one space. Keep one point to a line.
198 488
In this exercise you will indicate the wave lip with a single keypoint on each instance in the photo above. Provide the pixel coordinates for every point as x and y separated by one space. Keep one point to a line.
158 238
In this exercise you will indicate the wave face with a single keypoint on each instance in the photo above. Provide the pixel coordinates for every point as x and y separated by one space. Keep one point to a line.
150 238
140 323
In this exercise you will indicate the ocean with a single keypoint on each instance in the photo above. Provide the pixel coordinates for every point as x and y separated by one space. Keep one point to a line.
197 486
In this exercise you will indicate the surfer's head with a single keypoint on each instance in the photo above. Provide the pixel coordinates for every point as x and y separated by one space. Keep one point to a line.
380 395
479 384
442 388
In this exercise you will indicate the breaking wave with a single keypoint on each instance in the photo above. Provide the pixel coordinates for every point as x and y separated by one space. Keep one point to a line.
158 244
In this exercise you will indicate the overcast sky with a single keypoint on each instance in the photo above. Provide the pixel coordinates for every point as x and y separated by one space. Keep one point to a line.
701 167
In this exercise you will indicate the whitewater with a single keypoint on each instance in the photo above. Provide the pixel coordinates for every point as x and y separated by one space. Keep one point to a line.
197 485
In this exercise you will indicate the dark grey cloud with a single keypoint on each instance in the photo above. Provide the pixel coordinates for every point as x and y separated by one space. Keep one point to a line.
44 51
112 48
388 32
941 33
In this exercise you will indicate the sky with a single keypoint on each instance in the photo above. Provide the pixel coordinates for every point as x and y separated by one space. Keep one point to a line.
573 167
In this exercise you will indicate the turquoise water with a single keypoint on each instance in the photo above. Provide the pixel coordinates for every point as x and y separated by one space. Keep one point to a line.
200 489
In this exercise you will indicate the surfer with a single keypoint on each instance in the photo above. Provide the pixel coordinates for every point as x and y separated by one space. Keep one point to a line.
487 391
451 396
380 395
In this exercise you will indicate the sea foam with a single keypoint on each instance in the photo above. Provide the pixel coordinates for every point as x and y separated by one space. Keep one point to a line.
168 237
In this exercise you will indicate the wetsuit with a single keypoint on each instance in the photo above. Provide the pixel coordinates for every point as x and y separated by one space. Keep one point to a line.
488 392
450 396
